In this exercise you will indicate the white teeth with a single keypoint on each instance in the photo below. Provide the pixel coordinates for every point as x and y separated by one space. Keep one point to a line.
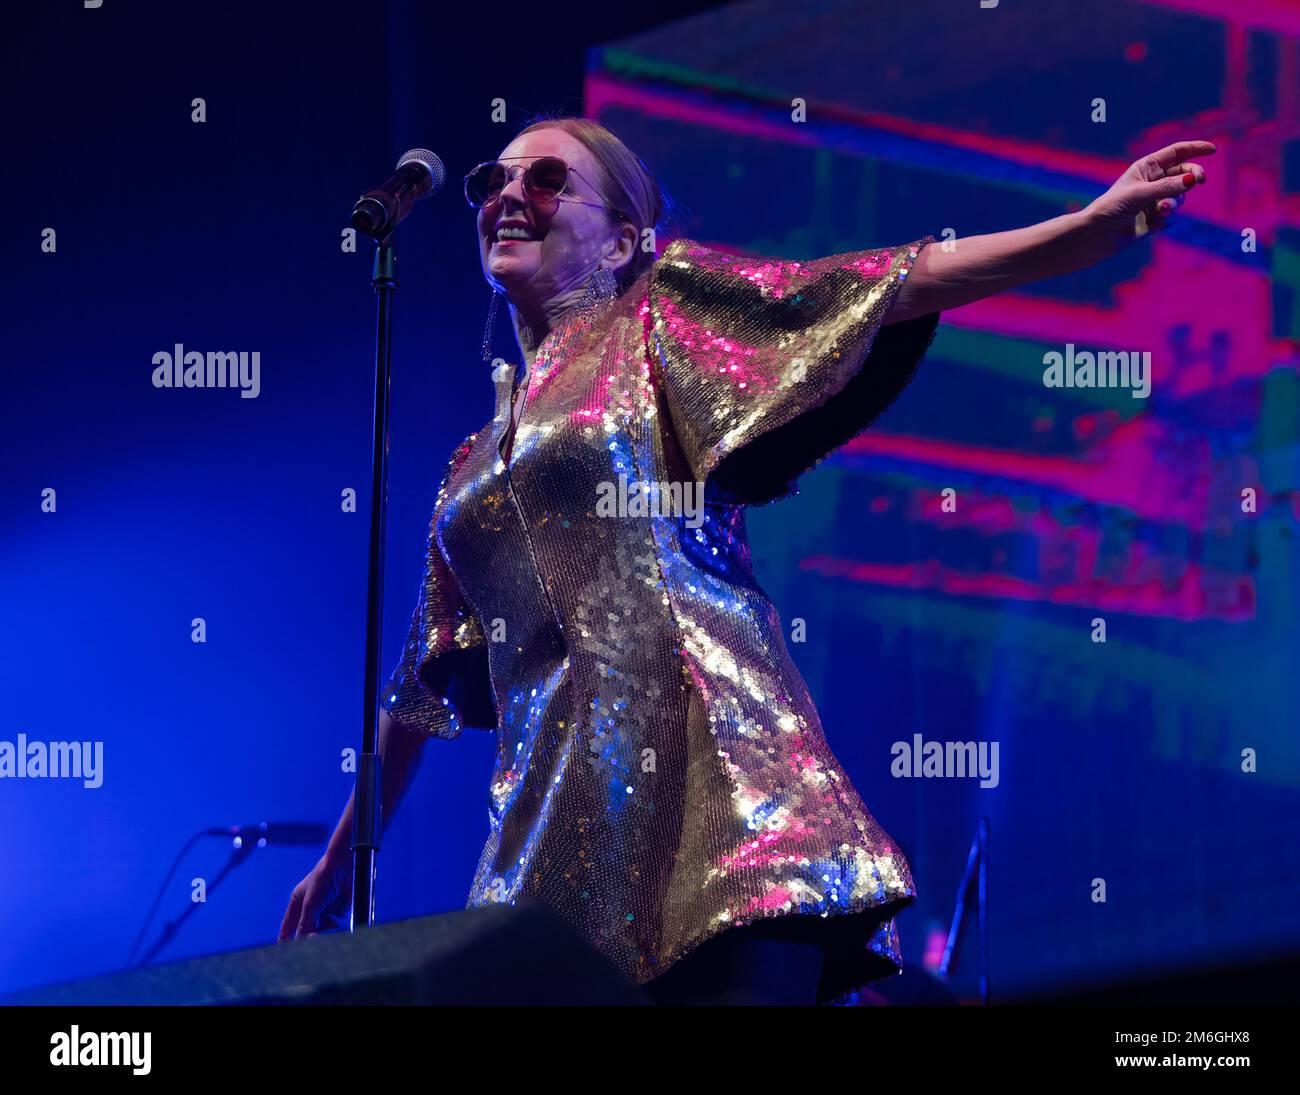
513 234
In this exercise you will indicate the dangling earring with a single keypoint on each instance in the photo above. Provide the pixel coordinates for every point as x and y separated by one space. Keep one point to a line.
603 286
491 324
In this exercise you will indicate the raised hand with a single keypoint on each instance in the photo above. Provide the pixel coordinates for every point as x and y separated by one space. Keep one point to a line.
1146 197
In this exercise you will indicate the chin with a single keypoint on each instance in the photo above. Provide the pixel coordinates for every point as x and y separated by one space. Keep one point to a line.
507 272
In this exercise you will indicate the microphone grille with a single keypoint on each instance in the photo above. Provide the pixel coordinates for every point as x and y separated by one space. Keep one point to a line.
431 163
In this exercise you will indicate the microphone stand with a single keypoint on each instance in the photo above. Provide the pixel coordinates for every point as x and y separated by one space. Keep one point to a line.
974 881
366 798
243 849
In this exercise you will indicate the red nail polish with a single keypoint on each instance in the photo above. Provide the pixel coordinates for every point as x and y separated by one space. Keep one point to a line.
1189 180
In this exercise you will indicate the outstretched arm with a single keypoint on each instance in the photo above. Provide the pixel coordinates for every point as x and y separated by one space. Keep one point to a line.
1142 201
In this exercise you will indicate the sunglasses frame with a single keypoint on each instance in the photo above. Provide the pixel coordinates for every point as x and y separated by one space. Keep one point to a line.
559 194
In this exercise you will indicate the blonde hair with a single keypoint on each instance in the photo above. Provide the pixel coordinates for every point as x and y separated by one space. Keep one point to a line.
625 182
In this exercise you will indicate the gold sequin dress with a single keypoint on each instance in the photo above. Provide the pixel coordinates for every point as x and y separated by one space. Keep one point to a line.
661 771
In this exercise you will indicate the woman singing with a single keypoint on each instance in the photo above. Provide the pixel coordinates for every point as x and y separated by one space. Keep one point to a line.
662 780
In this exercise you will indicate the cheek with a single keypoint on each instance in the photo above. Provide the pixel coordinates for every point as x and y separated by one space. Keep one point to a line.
571 241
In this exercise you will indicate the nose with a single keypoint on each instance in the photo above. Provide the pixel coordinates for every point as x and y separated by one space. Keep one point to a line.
512 194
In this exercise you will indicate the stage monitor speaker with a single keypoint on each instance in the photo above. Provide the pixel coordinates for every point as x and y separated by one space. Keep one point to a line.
500 954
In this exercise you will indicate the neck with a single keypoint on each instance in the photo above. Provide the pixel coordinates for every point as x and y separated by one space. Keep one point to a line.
534 321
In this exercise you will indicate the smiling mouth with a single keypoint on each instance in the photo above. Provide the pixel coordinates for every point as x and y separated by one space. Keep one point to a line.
515 233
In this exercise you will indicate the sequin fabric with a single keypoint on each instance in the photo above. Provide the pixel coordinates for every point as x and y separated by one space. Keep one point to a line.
661 775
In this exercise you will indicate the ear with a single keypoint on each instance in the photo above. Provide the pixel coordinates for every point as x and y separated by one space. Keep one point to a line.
621 247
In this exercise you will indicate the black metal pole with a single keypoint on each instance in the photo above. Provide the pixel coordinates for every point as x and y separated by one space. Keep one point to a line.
366 801
974 887
983 930
243 850
968 879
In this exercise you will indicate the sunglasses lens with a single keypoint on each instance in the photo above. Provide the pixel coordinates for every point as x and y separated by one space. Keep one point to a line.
485 183
545 178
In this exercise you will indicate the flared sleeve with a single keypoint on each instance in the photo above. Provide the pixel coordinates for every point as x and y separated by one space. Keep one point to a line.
442 681
768 365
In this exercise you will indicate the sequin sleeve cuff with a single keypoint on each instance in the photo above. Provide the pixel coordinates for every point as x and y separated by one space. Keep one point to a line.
442 677
768 365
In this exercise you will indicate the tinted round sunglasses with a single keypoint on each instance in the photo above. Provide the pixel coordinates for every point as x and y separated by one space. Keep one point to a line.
545 180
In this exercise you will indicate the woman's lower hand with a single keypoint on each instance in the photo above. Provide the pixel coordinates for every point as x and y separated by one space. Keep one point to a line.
322 901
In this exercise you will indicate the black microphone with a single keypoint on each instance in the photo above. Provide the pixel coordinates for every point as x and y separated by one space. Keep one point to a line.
419 174
282 833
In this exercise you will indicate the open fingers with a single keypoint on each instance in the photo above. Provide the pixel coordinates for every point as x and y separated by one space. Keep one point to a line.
1171 186
291 917
1180 169
1155 216
1181 150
